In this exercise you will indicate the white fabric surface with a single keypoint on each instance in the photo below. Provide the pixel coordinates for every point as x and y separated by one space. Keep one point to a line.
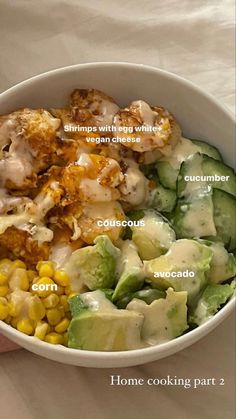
195 39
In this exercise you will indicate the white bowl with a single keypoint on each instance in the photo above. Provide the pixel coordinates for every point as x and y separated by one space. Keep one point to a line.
199 115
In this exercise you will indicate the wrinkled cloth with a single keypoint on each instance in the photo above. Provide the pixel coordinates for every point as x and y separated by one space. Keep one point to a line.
194 39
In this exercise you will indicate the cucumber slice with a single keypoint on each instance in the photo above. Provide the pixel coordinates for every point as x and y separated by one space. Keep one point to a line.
194 218
212 167
218 175
167 174
192 166
168 167
224 218
162 199
209 150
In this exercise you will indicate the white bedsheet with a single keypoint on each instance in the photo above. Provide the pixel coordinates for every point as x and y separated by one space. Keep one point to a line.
195 39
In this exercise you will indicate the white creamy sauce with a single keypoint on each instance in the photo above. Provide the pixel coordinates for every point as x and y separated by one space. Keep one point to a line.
183 149
60 254
7 127
146 113
84 161
103 210
97 300
199 218
106 109
134 187
94 191
130 259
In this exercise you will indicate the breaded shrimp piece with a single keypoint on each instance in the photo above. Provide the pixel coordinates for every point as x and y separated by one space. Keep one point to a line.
22 246
92 178
91 107
31 136
160 127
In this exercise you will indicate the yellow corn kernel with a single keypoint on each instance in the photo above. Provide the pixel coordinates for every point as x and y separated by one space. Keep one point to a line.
62 278
44 287
60 290
4 309
4 290
31 275
68 290
64 302
36 309
7 319
53 316
14 310
65 339
62 326
51 301
41 330
45 269
3 278
18 264
14 321
19 280
6 266
54 338
25 326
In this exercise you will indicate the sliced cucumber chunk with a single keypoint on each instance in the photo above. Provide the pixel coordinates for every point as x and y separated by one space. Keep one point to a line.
200 171
224 218
195 217
167 174
162 199
217 169
208 149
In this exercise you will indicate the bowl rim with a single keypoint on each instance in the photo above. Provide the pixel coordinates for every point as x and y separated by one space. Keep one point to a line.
168 347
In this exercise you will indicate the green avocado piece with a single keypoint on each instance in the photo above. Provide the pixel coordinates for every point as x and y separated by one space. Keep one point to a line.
164 319
115 330
132 276
212 298
94 266
184 267
223 264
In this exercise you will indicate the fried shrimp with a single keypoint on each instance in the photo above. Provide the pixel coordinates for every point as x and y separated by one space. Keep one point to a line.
152 127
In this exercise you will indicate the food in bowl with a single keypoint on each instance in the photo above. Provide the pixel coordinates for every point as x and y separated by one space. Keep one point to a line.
115 230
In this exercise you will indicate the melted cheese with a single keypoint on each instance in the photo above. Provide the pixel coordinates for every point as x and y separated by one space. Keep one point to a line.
183 149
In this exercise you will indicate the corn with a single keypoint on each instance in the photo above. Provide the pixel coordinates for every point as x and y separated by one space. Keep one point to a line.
4 290
62 326
60 290
14 322
4 309
65 339
49 287
24 281
68 290
62 278
45 269
51 301
53 316
25 326
3 278
41 330
13 309
31 275
54 338
6 266
36 309
64 303
18 264
19 280
7 319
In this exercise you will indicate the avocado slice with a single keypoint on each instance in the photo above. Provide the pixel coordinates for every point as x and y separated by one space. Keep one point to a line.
164 319
115 330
